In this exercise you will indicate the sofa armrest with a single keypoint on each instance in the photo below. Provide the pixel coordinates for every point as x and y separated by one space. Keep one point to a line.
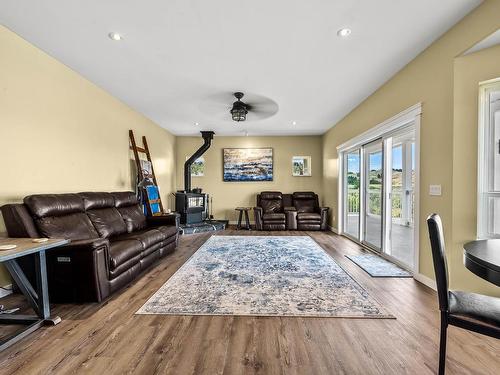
89 244
258 217
167 219
324 217
89 263
289 209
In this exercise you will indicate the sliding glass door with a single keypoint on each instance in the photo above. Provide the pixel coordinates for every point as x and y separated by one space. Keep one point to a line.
373 187
379 195
352 194
402 197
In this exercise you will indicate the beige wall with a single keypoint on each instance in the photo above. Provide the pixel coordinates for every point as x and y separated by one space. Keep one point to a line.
469 72
427 79
61 133
228 195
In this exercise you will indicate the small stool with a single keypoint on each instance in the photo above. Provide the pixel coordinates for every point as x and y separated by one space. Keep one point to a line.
247 219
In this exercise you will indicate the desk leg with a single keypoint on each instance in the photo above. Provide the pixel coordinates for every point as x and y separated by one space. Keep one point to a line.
38 300
23 283
41 282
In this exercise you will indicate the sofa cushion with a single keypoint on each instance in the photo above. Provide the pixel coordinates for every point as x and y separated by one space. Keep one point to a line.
309 216
271 201
133 217
148 237
274 217
107 221
93 200
76 226
124 198
271 206
42 205
305 201
121 251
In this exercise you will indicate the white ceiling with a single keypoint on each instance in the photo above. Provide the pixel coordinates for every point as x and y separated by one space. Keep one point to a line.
177 55
490 41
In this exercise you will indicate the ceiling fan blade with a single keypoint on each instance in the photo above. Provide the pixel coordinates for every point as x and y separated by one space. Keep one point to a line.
263 107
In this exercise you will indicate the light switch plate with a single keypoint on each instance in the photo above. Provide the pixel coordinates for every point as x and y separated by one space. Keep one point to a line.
435 190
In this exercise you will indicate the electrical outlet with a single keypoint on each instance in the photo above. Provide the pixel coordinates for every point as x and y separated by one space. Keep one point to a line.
435 190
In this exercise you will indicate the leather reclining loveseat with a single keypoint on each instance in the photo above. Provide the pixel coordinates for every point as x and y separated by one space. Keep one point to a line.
297 211
112 241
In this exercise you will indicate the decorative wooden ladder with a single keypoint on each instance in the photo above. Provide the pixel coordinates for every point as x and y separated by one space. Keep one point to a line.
140 173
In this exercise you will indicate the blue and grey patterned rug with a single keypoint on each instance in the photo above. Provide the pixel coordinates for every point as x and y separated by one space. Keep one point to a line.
377 266
263 276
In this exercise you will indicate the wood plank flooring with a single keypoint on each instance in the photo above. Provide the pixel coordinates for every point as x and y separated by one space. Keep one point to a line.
108 338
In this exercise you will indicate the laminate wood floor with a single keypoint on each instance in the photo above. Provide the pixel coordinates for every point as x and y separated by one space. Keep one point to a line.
108 338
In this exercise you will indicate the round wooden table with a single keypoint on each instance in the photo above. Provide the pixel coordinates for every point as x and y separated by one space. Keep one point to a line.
482 257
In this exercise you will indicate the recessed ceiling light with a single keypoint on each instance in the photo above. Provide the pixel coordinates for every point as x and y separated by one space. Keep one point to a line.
294 122
197 123
115 36
344 32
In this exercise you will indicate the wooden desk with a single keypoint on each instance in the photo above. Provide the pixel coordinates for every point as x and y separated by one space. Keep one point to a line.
39 298
482 257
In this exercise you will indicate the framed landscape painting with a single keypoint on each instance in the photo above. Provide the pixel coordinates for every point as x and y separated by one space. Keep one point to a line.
248 164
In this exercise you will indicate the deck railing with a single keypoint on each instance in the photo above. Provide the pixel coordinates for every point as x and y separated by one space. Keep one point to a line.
375 204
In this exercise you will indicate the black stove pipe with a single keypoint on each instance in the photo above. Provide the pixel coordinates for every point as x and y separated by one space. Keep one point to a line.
207 142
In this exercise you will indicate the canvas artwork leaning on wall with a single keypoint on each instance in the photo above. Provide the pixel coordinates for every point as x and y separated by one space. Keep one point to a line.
248 164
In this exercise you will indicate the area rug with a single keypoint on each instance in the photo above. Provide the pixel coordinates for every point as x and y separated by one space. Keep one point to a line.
377 266
263 276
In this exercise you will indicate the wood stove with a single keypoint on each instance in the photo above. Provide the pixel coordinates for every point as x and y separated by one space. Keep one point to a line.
192 206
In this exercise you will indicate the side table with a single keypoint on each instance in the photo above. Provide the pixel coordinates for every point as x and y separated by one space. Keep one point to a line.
247 219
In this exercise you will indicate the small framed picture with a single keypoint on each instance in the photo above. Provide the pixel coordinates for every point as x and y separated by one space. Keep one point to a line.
301 166
198 167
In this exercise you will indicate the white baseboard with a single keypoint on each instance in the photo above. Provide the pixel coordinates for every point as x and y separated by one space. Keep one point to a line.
332 229
427 281
5 292
235 222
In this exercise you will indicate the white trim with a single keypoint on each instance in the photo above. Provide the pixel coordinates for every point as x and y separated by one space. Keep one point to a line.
332 229
427 281
4 292
484 154
340 194
410 116
394 123
235 222
416 193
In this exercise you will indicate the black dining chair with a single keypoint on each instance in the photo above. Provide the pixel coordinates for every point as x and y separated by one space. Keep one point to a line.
470 311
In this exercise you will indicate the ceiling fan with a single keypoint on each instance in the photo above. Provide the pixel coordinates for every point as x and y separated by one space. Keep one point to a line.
253 108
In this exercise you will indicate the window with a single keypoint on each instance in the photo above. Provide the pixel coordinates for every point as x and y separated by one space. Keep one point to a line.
489 161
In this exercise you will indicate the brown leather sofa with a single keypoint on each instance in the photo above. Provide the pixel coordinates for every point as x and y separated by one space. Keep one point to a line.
297 211
111 240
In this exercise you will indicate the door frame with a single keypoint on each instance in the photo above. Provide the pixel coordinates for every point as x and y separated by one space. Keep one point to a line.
409 117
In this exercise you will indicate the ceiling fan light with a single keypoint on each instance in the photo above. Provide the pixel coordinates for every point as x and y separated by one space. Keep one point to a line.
239 114
239 111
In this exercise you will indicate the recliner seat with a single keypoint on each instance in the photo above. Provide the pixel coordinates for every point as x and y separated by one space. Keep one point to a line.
269 212
310 216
